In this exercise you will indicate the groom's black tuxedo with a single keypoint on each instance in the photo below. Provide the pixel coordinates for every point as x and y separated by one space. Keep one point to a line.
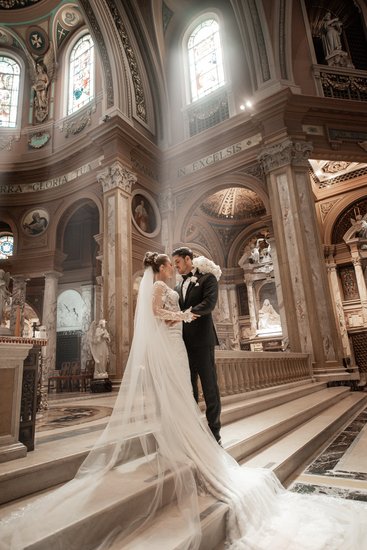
202 297
200 338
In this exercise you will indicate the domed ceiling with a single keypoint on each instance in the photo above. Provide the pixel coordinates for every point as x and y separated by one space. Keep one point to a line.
235 203
16 4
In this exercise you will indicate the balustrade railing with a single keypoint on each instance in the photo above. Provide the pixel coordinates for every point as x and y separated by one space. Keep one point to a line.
243 371
341 83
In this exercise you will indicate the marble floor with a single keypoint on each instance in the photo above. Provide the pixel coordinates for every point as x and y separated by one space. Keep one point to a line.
341 468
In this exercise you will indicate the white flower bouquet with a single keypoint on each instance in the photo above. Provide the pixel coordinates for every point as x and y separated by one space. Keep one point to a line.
204 265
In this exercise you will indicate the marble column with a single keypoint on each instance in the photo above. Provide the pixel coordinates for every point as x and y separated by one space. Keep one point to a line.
98 299
166 208
278 287
49 318
251 304
88 306
18 302
338 307
361 282
234 316
117 182
307 301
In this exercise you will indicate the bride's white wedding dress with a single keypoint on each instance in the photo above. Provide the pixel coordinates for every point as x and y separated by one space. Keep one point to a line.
155 407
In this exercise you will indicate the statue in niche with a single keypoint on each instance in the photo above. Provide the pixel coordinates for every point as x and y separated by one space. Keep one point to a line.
42 73
4 291
359 224
99 339
331 29
269 319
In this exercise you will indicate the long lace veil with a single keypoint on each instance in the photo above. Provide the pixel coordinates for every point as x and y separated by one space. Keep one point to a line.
138 450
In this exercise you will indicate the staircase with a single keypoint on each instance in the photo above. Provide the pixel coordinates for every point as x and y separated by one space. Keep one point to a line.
281 428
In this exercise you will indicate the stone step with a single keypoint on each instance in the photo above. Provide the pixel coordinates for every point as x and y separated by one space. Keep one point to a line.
167 531
103 514
248 435
298 447
263 401
51 464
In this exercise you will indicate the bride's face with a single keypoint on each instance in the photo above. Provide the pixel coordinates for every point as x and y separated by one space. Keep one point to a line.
166 270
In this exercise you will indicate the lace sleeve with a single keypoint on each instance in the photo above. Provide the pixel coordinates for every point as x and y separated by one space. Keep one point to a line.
159 290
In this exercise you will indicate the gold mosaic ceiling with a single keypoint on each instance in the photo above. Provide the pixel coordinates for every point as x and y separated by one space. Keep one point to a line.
234 203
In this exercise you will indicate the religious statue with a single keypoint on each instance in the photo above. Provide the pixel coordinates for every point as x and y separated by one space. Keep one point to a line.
99 340
331 29
42 72
359 224
4 291
269 319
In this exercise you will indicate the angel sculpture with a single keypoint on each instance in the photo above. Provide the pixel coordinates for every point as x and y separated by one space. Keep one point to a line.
42 73
98 341
4 291
360 226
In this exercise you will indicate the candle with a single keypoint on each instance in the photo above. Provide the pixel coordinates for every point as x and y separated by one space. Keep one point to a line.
17 322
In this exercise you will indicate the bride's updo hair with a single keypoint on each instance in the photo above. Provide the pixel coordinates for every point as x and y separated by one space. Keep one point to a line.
154 260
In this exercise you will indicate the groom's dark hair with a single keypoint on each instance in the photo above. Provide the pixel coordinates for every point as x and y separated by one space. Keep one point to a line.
183 251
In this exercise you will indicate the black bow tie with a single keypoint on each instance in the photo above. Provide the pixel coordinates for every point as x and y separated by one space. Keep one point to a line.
186 276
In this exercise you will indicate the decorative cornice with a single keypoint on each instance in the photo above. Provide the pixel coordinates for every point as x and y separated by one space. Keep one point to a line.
141 110
116 176
287 152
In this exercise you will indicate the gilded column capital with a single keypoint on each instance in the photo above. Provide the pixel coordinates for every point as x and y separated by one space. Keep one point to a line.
116 176
289 151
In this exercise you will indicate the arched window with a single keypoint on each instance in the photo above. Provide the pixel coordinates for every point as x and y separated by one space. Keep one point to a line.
6 245
81 74
9 91
205 59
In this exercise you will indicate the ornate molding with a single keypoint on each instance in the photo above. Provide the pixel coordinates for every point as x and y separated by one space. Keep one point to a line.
116 176
74 127
287 152
141 110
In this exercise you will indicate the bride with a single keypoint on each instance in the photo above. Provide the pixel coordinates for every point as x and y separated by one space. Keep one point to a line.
157 425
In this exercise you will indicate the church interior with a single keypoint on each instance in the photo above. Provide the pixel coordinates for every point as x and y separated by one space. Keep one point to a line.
237 128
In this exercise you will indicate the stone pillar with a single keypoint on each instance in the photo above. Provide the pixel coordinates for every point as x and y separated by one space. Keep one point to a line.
88 299
278 287
338 307
117 182
234 316
18 302
251 304
166 207
98 299
361 282
49 317
307 301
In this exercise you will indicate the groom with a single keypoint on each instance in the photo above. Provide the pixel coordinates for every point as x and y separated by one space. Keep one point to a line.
200 292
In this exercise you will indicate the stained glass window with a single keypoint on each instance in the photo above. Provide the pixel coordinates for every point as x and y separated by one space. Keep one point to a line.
205 59
9 91
81 74
6 246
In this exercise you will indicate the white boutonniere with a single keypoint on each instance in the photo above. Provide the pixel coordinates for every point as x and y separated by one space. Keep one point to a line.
194 280
204 265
